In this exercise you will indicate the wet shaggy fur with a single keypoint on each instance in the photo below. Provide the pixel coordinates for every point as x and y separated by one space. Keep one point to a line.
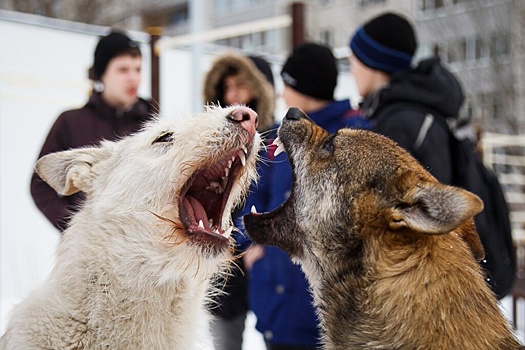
133 269
390 253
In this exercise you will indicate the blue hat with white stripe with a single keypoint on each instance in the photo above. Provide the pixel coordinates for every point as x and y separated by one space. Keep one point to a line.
386 43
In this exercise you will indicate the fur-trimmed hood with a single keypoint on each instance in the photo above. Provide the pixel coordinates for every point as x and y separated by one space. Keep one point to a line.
264 102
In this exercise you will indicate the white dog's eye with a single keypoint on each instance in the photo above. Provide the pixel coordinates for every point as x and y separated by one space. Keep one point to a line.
164 137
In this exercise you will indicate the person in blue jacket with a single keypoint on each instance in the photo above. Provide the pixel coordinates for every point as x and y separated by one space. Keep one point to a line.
278 290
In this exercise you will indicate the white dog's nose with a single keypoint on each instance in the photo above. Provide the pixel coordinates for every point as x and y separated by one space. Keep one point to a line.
246 117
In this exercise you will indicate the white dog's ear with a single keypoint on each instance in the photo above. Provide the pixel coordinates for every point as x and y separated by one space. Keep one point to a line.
69 172
434 208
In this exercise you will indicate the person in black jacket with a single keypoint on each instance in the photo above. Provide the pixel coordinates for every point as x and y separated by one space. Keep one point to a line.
115 110
400 100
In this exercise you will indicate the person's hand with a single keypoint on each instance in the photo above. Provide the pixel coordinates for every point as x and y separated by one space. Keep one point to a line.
252 254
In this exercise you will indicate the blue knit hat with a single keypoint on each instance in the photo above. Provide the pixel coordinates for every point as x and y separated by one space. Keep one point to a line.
386 43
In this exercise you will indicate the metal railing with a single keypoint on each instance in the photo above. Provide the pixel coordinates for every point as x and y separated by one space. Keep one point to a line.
505 154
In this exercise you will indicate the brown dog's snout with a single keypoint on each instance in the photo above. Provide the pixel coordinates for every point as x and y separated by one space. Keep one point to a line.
295 114
246 117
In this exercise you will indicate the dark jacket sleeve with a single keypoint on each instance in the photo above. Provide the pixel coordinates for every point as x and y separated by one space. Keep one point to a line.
403 126
53 206
258 197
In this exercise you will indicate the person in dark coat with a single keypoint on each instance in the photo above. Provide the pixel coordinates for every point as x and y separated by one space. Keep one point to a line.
247 80
401 100
109 114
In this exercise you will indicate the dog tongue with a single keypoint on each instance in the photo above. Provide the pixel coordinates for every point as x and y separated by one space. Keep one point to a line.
196 211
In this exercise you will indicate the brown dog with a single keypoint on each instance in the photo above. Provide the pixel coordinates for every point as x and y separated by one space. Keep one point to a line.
390 252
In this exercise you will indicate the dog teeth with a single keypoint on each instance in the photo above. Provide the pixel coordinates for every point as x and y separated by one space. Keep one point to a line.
230 164
201 224
253 210
215 186
228 232
280 148
242 156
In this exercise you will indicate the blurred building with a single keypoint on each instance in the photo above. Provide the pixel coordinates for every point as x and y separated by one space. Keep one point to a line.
480 40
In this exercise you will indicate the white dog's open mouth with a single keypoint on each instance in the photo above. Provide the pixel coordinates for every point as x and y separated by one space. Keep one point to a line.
203 199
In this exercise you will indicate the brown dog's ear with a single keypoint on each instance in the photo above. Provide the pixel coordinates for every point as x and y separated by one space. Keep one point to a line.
434 208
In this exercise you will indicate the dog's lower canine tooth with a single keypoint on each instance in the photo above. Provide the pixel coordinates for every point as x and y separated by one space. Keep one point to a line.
228 232
242 157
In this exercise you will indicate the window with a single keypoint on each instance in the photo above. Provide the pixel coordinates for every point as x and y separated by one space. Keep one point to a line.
470 49
500 46
482 49
365 3
492 106
457 51
327 37
431 4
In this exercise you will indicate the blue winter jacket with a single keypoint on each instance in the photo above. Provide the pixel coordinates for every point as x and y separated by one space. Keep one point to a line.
278 291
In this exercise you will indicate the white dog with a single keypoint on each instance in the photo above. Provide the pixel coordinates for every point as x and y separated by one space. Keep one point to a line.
134 267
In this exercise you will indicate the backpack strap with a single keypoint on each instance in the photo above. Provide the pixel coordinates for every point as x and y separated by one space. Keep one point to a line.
430 117
423 131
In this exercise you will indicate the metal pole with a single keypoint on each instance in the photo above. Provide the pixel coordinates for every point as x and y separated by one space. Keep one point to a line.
196 13
297 23
155 33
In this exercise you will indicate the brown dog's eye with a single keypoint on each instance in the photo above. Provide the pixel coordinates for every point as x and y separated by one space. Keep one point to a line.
166 137
328 145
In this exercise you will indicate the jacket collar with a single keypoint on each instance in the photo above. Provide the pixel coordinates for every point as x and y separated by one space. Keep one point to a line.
140 110
332 112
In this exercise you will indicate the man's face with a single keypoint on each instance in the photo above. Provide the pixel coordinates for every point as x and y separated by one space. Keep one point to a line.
360 73
121 81
367 79
237 90
292 98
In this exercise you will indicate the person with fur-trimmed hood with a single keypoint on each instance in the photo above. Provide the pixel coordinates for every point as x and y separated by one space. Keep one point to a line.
245 80
248 80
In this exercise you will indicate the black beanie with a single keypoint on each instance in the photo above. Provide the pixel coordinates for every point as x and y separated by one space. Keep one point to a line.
386 43
311 70
264 67
109 47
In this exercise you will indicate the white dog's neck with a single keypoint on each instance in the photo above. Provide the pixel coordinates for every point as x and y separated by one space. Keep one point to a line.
131 296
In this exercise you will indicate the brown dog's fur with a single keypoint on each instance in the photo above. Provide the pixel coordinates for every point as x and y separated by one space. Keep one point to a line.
390 252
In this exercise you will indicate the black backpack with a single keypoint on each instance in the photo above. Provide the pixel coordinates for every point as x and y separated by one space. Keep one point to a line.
493 223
